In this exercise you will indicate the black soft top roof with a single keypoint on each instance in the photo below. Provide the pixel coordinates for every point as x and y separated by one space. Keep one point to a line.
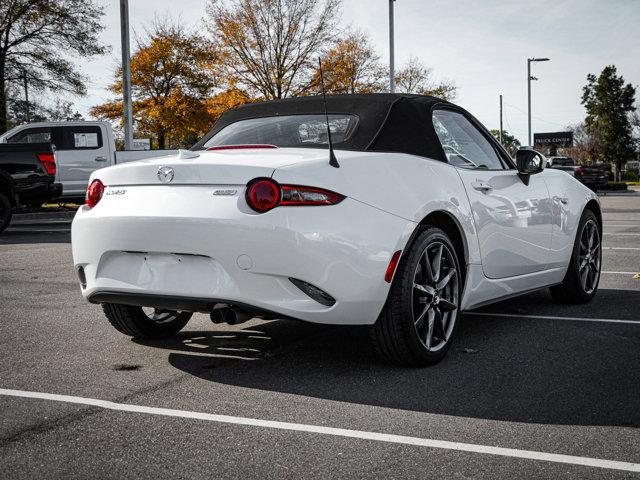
387 122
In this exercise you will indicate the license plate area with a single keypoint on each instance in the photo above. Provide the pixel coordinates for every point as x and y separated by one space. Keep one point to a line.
158 272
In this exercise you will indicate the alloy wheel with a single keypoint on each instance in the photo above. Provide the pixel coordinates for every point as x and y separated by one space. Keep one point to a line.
590 258
434 299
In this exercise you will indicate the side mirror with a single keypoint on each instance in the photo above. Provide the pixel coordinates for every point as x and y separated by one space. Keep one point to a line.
529 162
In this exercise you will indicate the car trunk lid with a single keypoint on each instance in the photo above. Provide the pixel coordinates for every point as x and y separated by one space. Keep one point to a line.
222 167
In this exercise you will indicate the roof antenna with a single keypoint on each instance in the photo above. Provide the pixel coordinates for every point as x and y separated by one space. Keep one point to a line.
333 161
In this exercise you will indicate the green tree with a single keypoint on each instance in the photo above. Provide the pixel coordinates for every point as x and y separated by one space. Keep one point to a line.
509 142
610 106
38 40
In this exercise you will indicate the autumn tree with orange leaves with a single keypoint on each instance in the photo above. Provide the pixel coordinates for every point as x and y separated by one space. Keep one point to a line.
415 77
172 80
351 65
255 50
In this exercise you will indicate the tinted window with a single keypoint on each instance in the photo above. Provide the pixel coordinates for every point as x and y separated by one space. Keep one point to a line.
287 131
463 144
32 135
80 137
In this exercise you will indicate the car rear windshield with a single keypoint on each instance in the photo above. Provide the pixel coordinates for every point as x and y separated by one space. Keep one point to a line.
287 131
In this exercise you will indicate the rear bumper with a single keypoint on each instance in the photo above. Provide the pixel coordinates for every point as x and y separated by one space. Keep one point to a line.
190 304
38 190
190 251
55 190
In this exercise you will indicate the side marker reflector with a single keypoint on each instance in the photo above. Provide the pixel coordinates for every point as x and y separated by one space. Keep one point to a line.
392 266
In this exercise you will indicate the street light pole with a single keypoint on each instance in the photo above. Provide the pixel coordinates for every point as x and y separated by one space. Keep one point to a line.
392 73
529 78
500 135
529 102
126 74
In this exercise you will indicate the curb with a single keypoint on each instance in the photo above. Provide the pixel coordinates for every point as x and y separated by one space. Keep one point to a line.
619 193
44 216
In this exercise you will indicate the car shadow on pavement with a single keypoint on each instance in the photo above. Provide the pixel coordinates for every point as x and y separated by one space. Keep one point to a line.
510 369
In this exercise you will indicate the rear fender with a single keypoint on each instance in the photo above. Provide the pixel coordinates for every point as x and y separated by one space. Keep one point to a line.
408 186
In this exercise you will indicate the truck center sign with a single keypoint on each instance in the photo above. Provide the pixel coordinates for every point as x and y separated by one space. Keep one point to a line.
555 139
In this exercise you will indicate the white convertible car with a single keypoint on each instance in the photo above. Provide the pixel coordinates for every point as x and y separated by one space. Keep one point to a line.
418 215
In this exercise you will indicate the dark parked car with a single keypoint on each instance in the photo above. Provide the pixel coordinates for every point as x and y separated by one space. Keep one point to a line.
594 176
27 177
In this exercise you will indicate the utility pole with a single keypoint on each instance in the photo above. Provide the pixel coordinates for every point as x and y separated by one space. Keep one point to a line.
26 95
126 74
392 72
500 136
529 102
529 78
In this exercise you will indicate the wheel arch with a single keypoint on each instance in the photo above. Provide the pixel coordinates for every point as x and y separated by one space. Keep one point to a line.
451 226
594 206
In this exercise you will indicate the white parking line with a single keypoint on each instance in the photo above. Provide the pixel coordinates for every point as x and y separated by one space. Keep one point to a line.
338 432
621 248
623 234
620 273
549 317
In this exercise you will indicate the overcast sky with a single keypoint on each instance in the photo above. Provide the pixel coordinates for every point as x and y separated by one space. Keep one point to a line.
481 45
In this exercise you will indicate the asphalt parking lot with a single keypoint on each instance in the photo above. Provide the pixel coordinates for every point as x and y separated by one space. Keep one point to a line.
531 389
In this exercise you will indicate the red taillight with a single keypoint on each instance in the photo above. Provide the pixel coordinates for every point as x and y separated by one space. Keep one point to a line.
579 171
392 267
241 147
263 194
48 161
94 193
299 195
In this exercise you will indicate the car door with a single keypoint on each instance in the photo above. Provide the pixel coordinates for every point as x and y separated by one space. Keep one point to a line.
513 219
80 149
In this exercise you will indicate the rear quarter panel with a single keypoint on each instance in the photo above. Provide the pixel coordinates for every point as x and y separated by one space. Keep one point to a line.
566 216
403 185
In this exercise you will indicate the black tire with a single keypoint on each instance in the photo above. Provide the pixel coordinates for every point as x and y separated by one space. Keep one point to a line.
573 288
398 336
134 322
5 212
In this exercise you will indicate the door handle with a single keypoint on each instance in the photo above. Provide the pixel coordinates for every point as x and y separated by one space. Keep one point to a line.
481 186
100 159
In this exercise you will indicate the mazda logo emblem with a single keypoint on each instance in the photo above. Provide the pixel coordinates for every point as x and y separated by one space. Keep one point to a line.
165 174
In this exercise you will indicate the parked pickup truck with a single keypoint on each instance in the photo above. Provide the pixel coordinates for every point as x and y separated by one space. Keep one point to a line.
81 147
592 176
27 176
